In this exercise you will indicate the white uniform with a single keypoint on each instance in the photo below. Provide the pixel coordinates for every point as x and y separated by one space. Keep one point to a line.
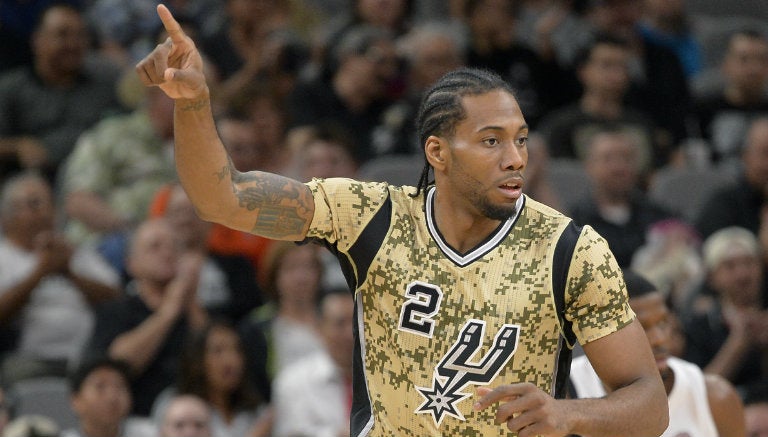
689 413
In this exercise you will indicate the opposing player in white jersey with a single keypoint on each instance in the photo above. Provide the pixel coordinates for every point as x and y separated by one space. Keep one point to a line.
700 405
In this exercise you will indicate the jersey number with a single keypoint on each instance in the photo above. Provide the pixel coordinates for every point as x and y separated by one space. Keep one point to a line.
416 314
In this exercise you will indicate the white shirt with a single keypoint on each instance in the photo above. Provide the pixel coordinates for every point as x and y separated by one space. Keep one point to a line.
310 399
689 412
57 320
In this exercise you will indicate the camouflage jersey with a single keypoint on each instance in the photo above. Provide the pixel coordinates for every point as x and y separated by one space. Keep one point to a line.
433 324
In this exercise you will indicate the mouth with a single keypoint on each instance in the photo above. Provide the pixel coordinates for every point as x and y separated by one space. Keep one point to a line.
512 188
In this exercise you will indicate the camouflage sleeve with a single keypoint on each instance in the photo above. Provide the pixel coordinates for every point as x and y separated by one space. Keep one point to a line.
343 207
596 295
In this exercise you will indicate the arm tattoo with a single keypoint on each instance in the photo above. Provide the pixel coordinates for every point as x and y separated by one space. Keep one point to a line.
194 105
281 203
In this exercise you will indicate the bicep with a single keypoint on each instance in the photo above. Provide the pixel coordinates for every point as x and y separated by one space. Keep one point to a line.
622 357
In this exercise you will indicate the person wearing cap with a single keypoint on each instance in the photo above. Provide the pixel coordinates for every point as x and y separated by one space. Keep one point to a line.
728 335
700 404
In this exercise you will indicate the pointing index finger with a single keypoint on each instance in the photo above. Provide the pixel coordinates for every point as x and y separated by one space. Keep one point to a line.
171 25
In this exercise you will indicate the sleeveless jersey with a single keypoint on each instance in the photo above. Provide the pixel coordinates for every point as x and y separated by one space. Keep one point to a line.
433 324
689 412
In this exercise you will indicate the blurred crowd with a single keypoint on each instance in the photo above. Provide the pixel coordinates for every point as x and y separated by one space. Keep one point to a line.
649 122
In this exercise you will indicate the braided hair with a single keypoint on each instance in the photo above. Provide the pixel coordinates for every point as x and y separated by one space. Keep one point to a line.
441 109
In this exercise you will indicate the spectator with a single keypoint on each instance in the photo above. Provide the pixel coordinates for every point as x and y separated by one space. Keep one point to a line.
48 286
45 107
115 169
213 366
700 404
325 153
312 396
227 284
725 115
147 327
429 51
603 72
186 416
668 23
355 95
741 203
537 181
729 335
292 279
659 85
101 398
540 83
616 207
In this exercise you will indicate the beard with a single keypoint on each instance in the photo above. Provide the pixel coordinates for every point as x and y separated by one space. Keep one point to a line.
495 212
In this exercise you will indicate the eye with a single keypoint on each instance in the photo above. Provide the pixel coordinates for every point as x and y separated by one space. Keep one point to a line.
522 141
493 141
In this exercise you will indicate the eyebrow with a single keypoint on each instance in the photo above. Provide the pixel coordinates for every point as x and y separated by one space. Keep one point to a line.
485 128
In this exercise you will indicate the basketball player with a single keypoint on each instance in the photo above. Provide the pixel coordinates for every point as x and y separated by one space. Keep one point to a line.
465 288
699 405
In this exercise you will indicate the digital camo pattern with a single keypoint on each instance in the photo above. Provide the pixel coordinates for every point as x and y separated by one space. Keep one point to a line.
433 331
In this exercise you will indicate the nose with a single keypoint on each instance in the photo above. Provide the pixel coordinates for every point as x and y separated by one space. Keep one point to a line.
514 157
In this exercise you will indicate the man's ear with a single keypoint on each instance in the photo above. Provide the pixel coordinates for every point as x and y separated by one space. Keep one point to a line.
436 150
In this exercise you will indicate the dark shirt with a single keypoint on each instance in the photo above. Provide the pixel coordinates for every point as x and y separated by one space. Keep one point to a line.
624 239
118 317
734 205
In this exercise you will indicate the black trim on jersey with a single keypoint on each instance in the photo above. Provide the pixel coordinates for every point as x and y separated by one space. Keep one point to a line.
369 242
362 410
488 244
560 266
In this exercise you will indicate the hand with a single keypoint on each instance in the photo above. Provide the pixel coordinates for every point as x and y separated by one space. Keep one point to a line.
525 408
175 65
54 253
181 292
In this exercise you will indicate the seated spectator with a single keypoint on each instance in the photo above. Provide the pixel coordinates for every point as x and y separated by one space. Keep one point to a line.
700 404
313 396
227 285
537 181
659 86
603 72
48 286
326 152
727 332
356 93
147 327
540 84
214 367
740 204
186 416
725 115
116 167
101 398
45 107
669 23
292 279
616 207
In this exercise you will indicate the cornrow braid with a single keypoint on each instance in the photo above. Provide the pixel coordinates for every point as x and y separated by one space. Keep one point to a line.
441 109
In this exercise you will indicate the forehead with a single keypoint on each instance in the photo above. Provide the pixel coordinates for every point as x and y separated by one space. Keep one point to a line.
498 109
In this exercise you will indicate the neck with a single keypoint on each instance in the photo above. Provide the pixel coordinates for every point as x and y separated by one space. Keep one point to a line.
220 402
739 96
91 429
601 105
462 228
55 78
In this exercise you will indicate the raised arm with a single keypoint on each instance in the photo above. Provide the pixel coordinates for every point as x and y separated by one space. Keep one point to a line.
259 202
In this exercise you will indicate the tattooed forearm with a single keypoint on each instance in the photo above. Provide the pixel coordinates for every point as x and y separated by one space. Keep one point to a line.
279 222
194 105
223 173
